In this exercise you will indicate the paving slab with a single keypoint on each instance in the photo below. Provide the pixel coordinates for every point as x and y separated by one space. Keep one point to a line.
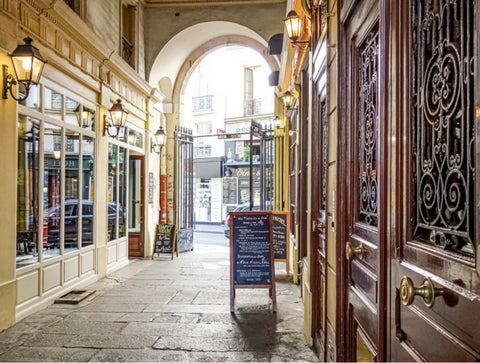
167 310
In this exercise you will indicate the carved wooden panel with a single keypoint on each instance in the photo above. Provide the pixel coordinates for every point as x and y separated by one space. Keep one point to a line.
443 141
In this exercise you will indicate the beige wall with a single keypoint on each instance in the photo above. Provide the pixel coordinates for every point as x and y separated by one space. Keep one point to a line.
81 62
8 166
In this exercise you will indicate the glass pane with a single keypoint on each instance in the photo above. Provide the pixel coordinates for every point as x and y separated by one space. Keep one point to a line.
72 178
27 191
33 99
122 161
135 138
71 110
52 206
134 211
88 163
53 103
112 192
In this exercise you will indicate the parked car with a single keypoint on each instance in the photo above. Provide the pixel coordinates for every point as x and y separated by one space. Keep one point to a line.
241 208
71 221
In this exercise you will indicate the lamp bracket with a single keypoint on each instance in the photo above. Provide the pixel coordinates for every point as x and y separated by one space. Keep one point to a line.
8 82
107 126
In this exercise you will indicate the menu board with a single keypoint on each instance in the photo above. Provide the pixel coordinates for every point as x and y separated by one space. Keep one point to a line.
280 235
230 193
251 253
165 239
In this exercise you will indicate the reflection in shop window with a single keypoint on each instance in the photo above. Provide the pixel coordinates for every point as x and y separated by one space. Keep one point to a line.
27 191
122 177
72 180
52 191
53 103
88 162
33 99
112 192
70 107
135 138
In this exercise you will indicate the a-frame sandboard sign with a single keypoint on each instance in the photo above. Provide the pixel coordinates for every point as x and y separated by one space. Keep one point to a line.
251 254
165 239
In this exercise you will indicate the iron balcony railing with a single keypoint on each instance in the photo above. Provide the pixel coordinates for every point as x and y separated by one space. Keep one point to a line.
252 106
127 52
202 103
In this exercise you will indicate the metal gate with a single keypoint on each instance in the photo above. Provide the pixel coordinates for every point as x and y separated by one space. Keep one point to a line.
183 184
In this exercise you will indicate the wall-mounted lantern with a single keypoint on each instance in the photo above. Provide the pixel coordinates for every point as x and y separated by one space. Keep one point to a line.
160 140
288 100
118 117
84 116
28 66
293 23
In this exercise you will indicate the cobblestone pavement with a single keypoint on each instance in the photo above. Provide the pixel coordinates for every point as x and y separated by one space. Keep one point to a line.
167 310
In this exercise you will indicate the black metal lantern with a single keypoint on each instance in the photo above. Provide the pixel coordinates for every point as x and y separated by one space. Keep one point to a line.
160 138
28 66
84 116
118 118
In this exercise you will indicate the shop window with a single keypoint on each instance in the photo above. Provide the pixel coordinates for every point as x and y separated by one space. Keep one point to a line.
117 191
88 161
53 104
28 190
135 138
128 34
49 198
122 177
52 190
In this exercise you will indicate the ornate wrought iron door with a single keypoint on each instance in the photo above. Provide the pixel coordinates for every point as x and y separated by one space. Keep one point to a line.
435 271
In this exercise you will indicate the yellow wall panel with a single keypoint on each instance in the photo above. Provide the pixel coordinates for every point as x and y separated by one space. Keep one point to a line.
28 286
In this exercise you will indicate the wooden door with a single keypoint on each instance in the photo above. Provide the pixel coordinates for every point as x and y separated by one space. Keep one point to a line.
136 206
437 197
320 133
361 183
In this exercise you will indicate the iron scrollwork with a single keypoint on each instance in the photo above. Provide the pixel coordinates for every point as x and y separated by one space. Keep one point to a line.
368 127
443 132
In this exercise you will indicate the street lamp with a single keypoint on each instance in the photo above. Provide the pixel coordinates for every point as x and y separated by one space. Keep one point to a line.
28 66
160 139
118 117
84 116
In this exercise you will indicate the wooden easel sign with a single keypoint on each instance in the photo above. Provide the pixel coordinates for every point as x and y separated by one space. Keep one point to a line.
281 235
251 254
165 239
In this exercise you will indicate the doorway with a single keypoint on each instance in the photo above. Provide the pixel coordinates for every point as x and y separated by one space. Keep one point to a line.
136 210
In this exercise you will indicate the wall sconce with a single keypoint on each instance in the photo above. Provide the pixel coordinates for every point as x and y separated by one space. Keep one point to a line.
288 101
293 23
84 116
160 139
28 67
118 117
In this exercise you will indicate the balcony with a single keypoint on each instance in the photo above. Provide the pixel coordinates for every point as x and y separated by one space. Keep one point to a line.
252 106
202 104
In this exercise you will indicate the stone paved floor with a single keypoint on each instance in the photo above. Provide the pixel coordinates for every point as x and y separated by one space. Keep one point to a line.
167 310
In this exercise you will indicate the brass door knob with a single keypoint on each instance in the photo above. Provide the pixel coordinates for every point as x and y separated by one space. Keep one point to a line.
351 252
427 291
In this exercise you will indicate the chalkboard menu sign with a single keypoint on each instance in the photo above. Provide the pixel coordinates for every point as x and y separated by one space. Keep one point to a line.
230 190
280 235
251 253
165 239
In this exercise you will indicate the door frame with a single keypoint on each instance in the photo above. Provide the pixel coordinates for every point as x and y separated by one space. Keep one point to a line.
344 338
142 204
